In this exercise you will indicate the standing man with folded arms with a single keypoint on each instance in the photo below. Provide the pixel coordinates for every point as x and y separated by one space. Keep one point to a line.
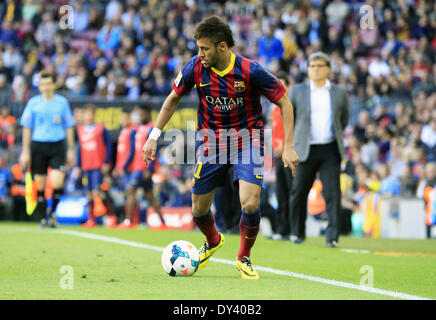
47 124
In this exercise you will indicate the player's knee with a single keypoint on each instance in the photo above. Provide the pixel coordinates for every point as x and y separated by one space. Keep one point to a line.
199 210
250 206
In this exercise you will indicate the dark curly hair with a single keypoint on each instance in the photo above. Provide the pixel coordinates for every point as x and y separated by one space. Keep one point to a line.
216 30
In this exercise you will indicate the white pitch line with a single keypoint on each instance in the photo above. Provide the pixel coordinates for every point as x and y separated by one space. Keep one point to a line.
347 285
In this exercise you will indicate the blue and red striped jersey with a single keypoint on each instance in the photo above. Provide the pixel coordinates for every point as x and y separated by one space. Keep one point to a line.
229 99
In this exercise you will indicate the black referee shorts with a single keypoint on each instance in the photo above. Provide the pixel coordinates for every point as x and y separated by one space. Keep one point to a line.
47 154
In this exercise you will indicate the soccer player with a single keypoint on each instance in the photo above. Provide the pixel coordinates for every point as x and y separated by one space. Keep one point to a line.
124 166
229 88
94 155
140 176
47 121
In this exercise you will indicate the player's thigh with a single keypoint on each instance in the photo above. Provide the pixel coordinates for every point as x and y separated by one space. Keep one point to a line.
201 203
208 177
250 180
249 195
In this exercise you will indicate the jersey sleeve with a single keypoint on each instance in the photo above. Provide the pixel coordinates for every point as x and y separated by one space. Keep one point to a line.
185 79
27 116
265 83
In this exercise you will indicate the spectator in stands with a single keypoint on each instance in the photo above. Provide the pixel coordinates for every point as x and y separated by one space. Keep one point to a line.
60 60
133 86
20 91
95 21
369 150
336 12
392 45
10 11
81 17
4 88
109 37
46 30
408 182
389 184
12 58
9 35
378 67
113 10
270 47
30 7
4 70
428 134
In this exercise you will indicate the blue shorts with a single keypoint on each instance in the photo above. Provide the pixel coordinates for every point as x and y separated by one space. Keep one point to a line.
208 175
92 179
136 179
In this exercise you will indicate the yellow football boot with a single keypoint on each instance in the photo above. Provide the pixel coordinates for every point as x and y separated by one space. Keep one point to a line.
246 269
206 252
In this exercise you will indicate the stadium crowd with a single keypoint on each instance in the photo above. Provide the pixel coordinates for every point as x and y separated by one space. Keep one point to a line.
133 49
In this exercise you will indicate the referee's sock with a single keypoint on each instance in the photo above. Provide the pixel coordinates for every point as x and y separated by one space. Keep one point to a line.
57 193
249 228
41 207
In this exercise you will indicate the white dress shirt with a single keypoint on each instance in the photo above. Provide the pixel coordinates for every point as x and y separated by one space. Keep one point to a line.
321 115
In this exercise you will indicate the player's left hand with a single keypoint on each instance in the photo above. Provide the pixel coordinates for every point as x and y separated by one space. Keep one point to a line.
290 159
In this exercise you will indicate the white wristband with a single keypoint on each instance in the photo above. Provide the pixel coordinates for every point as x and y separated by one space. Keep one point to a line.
155 134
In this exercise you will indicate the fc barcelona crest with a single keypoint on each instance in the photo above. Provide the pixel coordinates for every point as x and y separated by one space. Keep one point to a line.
239 86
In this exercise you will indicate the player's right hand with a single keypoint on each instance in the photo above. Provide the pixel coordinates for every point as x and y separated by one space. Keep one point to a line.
290 159
149 151
24 159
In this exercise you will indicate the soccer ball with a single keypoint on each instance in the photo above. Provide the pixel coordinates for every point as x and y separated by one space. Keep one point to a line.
180 258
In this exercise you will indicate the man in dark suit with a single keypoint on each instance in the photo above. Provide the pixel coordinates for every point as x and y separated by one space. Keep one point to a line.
321 115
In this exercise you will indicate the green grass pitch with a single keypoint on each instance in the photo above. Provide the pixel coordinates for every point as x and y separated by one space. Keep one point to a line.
32 260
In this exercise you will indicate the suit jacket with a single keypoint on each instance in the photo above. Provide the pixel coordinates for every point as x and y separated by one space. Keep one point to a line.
300 99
